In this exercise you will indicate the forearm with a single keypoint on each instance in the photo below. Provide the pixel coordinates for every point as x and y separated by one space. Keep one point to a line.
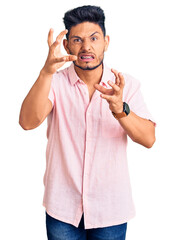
140 130
34 106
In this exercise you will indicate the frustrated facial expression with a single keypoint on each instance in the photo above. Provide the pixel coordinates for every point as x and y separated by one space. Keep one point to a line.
87 42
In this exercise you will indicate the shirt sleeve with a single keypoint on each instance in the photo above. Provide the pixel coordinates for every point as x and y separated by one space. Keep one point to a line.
135 99
51 95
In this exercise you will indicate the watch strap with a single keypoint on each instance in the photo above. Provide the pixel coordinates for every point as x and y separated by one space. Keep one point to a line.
126 111
119 115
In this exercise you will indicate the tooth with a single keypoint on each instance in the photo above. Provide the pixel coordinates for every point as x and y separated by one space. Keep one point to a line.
86 57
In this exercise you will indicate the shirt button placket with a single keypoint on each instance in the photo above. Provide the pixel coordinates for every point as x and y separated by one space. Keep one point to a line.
86 159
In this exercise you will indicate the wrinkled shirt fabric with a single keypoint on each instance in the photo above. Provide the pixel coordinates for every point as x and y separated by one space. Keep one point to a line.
86 157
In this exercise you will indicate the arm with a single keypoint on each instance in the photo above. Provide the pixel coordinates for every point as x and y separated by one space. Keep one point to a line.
36 106
140 130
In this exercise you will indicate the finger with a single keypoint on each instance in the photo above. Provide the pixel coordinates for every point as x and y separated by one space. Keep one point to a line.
61 35
58 40
50 37
102 89
107 97
117 80
65 59
53 46
122 80
115 87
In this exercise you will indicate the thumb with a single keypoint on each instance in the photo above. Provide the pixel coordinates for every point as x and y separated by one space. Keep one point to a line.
70 58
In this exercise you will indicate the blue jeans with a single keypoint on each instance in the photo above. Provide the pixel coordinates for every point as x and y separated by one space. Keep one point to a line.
58 230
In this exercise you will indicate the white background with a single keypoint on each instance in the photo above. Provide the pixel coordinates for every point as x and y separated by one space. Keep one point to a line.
142 44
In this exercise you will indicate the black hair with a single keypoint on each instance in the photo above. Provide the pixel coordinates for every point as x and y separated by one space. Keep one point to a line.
82 14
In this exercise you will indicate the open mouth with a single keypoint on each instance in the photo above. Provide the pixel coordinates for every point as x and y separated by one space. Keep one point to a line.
86 57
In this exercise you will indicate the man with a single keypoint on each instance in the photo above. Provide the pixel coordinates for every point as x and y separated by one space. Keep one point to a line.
91 110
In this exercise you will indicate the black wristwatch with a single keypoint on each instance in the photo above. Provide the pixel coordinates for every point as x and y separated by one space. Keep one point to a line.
126 111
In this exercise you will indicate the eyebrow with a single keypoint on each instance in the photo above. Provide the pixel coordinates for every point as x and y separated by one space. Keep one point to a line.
94 33
89 36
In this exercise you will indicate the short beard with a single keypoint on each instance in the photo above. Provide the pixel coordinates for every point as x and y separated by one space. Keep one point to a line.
88 68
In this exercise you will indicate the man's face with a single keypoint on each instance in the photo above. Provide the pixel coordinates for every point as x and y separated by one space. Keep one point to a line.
87 42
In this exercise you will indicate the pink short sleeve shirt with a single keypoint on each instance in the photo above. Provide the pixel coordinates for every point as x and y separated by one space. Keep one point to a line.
86 158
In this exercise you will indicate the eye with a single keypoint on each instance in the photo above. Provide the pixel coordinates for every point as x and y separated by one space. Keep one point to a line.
94 39
77 40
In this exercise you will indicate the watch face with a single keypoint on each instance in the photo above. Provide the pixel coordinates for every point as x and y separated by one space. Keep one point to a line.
126 111
126 108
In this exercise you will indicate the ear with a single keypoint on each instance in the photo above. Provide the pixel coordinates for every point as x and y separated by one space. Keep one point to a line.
107 39
65 43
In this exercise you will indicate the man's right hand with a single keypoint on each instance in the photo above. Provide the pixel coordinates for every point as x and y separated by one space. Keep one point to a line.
36 106
56 59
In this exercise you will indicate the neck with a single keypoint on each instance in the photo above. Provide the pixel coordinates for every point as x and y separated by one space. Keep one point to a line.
90 77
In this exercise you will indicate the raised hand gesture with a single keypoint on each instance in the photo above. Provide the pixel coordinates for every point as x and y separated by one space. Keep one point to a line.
114 95
56 59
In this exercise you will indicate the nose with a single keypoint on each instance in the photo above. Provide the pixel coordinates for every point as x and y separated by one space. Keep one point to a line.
86 46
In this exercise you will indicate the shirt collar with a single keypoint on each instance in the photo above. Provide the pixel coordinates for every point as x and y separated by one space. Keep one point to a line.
107 75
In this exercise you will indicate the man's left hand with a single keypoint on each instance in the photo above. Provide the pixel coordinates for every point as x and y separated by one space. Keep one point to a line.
115 94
